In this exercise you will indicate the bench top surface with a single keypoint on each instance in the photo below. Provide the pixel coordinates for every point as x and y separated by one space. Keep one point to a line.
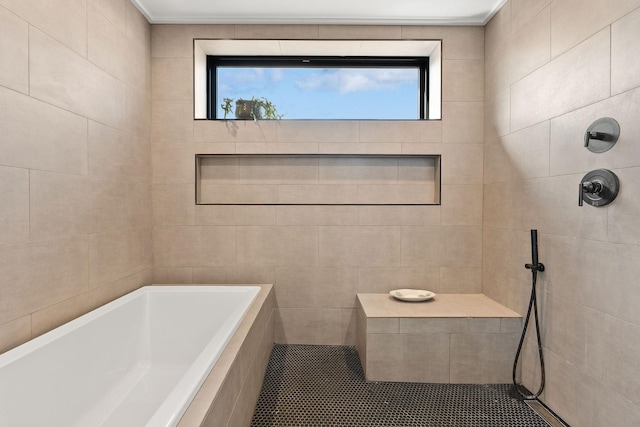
442 305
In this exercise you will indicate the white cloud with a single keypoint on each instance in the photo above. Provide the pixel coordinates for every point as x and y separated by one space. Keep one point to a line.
240 76
355 80
277 74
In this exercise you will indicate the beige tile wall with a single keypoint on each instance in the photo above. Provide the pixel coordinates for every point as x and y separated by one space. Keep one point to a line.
552 68
318 257
75 160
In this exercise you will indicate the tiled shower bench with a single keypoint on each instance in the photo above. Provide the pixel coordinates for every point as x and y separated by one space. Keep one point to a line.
453 338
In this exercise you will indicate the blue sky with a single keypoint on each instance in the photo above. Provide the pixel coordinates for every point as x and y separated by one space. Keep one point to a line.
326 93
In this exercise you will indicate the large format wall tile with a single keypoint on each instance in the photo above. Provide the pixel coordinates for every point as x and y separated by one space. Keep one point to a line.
384 279
174 204
14 333
61 77
494 350
111 50
18 297
14 210
172 122
14 50
57 314
365 246
525 50
571 81
460 42
75 174
176 41
614 265
309 326
278 246
60 269
567 132
179 246
233 274
284 32
364 32
622 220
571 391
311 287
118 156
497 118
520 155
462 204
40 136
114 10
462 80
407 353
575 20
317 215
464 122
625 48
137 28
66 205
400 131
64 20
59 205
118 254
172 79
522 11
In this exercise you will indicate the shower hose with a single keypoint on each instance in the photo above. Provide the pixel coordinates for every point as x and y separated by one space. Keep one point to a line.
535 266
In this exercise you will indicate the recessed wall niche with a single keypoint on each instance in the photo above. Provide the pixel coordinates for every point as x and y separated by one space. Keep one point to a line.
317 179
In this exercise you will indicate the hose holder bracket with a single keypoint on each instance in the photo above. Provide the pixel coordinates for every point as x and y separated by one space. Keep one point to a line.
535 267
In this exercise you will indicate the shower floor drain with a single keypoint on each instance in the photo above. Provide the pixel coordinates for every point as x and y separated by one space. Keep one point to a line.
309 385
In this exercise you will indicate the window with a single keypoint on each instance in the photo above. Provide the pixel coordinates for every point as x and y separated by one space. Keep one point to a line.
321 87
320 79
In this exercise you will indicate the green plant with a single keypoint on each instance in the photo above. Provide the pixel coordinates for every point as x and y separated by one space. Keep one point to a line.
226 106
261 108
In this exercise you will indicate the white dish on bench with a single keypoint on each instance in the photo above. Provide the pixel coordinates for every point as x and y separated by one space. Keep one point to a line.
412 294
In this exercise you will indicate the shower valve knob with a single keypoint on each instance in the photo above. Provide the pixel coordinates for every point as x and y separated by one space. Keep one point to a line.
598 188
602 135
592 187
589 188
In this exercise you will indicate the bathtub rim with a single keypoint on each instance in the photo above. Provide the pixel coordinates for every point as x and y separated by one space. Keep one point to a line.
188 386
199 408
235 340
40 341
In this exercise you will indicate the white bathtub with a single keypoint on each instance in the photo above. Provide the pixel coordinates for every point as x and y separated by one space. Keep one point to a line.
137 361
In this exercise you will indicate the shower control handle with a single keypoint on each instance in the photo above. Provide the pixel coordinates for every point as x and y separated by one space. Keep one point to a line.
600 136
598 188
594 187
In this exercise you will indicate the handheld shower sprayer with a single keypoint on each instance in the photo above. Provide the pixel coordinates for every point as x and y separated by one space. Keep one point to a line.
535 265
520 391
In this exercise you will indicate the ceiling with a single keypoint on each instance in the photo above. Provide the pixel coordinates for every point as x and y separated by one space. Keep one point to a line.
355 12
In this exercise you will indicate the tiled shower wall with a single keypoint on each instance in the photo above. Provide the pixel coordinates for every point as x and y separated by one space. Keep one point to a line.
75 169
319 257
552 68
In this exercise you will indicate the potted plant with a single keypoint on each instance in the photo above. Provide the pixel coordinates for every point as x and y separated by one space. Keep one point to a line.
254 108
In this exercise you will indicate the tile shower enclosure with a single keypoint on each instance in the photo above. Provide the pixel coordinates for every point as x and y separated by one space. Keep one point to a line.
97 182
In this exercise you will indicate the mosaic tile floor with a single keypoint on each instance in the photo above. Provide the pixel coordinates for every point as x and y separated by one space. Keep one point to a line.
325 386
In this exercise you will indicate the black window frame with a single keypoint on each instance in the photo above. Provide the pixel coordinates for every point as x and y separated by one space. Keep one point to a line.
421 63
